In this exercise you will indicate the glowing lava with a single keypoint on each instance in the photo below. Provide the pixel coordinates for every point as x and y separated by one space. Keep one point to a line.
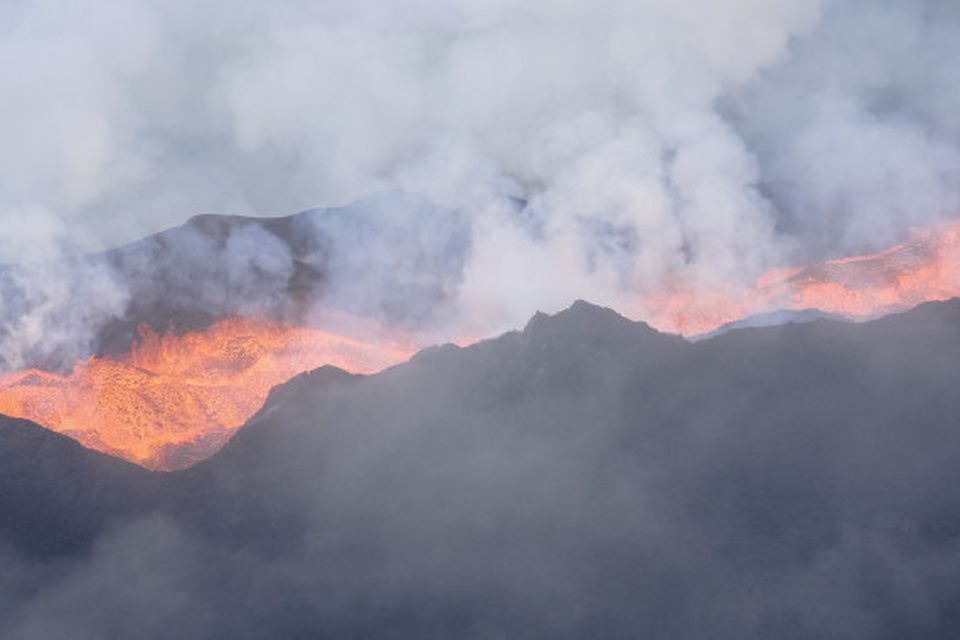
924 268
175 399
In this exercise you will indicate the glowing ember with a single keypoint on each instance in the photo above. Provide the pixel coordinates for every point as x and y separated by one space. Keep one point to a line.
174 400
926 267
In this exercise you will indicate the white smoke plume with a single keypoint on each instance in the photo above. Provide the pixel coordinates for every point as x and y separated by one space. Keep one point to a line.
651 140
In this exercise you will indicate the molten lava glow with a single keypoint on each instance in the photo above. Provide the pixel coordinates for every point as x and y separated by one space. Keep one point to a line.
175 399
924 268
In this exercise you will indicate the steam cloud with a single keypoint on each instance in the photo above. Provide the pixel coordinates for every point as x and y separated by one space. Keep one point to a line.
565 149
650 141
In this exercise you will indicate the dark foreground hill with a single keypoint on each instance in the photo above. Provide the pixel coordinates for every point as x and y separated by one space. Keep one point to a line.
56 496
585 477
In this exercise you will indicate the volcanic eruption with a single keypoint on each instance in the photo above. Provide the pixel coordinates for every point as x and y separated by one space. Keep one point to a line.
174 397
923 268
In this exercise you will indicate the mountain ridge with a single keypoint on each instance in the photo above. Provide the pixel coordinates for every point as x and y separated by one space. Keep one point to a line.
581 319
586 476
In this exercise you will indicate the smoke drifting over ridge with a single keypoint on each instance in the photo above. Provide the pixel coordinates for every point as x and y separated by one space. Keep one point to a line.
584 477
652 142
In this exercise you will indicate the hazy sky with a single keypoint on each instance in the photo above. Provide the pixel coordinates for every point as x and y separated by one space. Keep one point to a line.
713 137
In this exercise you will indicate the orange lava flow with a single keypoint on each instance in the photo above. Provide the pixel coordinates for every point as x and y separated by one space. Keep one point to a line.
924 268
175 399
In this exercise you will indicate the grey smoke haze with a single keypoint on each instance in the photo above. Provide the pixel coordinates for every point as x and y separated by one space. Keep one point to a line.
580 487
711 139
584 477
391 262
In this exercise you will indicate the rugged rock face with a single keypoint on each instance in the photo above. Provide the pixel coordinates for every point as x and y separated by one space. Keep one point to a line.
585 477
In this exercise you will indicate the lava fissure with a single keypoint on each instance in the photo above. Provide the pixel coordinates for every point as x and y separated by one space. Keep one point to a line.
175 399
924 268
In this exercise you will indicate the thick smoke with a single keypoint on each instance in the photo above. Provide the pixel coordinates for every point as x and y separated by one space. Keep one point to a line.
561 149
653 142
387 267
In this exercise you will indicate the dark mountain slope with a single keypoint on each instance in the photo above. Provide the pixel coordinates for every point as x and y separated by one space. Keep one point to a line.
770 319
56 496
584 477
